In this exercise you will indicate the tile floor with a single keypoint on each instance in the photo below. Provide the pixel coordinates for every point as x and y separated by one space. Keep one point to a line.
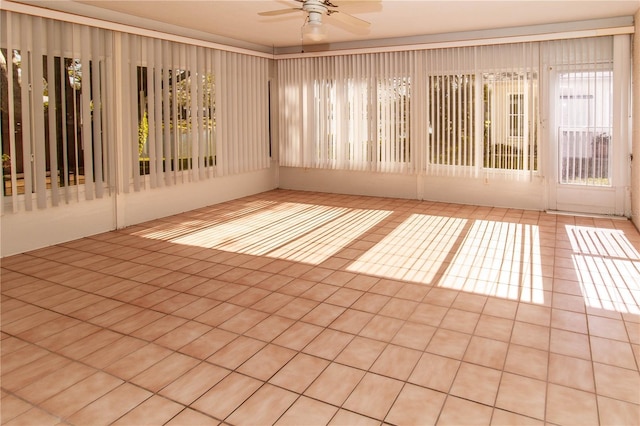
305 308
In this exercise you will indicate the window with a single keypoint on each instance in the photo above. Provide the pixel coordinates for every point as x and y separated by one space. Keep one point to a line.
516 115
170 147
585 127
53 125
452 117
394 95
349 113
510 120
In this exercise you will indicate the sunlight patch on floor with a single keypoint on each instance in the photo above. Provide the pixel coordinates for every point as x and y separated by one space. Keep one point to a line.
414 251
607 267
291 231
498 259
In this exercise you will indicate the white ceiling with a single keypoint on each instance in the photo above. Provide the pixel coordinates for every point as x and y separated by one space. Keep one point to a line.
239 20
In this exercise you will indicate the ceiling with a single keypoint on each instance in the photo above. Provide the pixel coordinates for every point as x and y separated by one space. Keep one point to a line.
238 23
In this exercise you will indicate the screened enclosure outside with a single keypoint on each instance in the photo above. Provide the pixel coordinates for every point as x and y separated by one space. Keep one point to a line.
457 112
73 129
585 127
55 118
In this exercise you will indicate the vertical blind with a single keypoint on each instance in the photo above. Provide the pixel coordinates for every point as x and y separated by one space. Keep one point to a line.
55 117
187 113
193 113
346 112
583 92
457 111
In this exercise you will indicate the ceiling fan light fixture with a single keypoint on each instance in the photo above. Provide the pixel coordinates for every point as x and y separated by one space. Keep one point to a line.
313 29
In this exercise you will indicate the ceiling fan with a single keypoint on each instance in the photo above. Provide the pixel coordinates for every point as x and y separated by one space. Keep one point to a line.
315 9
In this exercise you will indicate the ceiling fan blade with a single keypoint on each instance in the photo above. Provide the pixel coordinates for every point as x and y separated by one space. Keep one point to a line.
279 12
345 18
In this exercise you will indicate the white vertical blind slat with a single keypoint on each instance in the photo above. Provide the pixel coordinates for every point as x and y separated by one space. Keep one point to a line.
87 146
97 105
38 124
52 102
26 95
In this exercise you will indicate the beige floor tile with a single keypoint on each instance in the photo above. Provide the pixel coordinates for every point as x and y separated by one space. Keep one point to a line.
114 352
351 321
335 344
138 361
297 308
193 384
236 352
269 328
371 302
89 344
344 297
413 335
207 344
396 362
527 361
533 314
328 344
476 383
12 407
299 373
81 394
457 411
111 406
416 405
361 353
571 406
307 411
34 416
298 336
334 384
153 411
616 382
381 328
429 314
243 321
531 335
47 386
31 372
507 418
494 328
522 395
612 352
263 407
615 412
159 328
189 417
373 396
266 362
218 314
323 314
608 328
435 372
349 418
164 372
570 344
569 321
571 372
461 321
487 352
449 343
182 335
227 395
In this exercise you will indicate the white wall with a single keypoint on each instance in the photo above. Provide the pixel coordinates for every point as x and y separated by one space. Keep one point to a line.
464 190
635 165
31 230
